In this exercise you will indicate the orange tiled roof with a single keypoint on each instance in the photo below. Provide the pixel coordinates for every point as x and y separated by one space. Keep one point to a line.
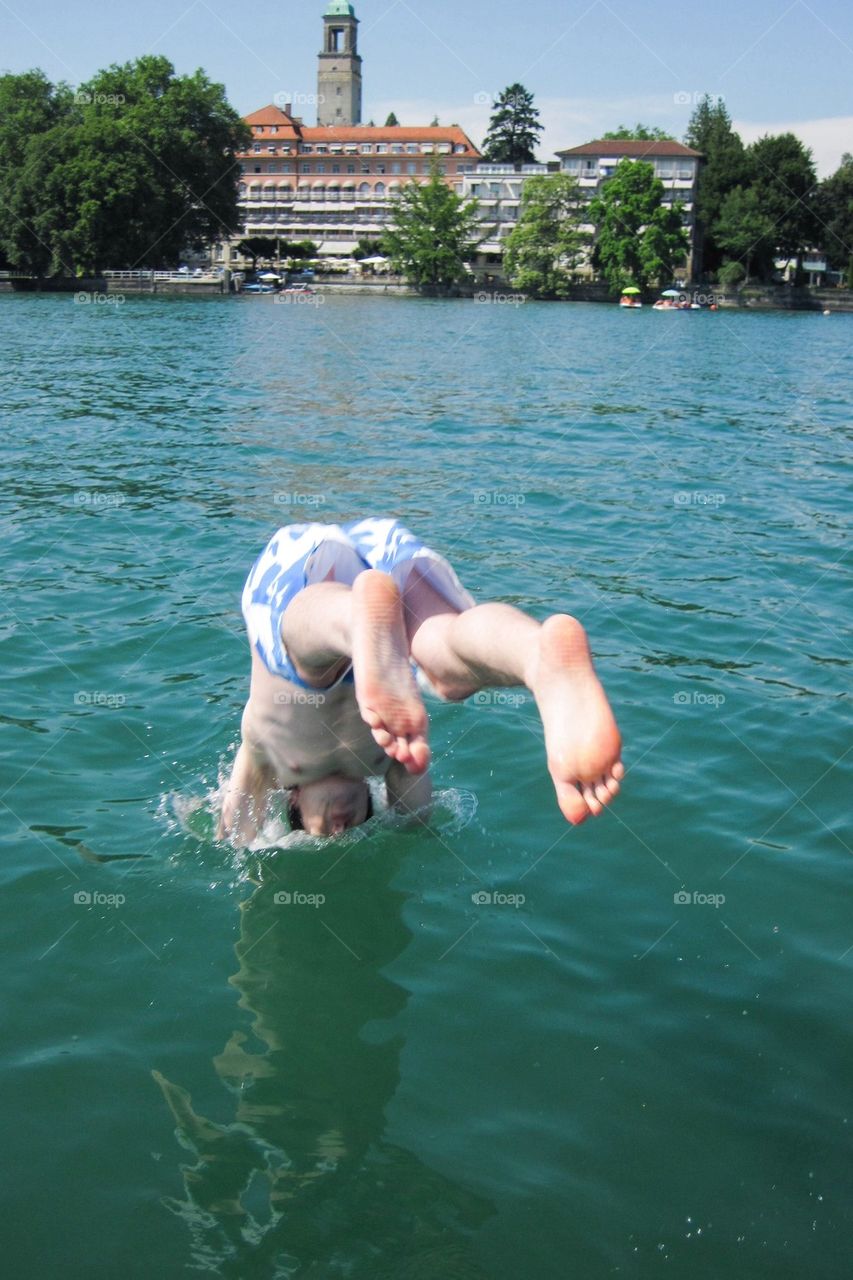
273 115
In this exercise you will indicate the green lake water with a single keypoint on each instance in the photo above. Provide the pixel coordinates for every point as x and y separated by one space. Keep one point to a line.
587 1076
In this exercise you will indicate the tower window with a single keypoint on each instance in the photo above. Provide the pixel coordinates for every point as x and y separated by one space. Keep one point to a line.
336 40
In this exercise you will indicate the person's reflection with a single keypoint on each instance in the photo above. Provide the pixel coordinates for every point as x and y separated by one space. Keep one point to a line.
302 1180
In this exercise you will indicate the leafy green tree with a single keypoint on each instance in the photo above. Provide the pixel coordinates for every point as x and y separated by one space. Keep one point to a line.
514 128
29 106
726 165
366 247
639 133
255 247
434 233
392 121
834 211
638 238
786 182
549 242
137 165
745 232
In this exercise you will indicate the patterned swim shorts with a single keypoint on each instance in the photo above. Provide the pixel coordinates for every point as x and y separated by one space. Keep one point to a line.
301 554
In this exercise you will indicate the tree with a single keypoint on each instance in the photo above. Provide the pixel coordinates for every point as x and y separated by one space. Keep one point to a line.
514 128
786 181
29 106
726 165
548 244
433 233
255 247
834 211
639 133
136 165
366 247
637 237
392 122
745 232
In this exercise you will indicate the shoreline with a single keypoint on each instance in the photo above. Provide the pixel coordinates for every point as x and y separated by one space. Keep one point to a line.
746 298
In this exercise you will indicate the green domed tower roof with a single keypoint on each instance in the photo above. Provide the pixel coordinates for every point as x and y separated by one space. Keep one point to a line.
339 9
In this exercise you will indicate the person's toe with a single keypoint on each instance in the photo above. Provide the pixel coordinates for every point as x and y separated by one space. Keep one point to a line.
572 804
618 771
601 791
595 807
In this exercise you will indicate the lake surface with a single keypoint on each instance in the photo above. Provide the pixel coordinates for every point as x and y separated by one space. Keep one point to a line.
587 1075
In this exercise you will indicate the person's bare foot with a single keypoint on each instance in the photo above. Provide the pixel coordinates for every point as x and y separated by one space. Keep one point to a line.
581 738
385 688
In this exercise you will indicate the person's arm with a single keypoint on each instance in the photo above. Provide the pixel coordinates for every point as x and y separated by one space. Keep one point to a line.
408 793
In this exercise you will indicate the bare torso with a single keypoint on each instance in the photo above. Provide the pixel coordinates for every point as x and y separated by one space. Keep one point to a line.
307 734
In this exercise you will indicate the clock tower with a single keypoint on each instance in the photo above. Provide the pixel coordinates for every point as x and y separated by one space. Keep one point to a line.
339 72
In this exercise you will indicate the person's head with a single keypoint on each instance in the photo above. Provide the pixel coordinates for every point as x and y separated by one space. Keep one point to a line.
330 805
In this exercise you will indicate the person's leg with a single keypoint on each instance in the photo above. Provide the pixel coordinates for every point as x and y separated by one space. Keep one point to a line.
497 644
328 625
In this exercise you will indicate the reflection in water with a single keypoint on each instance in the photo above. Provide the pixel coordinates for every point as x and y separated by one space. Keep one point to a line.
302 1180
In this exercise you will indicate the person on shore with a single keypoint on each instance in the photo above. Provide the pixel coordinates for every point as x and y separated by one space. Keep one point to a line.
341 619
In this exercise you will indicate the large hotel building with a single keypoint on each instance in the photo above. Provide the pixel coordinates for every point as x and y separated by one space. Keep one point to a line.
334 182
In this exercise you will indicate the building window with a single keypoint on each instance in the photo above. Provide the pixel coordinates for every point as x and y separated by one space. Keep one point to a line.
321 168
380 168
339 91
273 128
257 148
412 148
365 168
381 148
459 148
396 167
271 149
305 168
306 148
350 168
365 148
411 166
258 169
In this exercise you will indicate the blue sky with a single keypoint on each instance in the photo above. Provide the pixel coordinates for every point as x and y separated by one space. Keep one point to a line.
591 64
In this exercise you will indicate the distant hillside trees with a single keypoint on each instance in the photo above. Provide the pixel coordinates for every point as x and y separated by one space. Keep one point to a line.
127 171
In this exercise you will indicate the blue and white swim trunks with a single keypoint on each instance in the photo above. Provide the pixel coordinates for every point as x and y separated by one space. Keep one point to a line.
301 554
